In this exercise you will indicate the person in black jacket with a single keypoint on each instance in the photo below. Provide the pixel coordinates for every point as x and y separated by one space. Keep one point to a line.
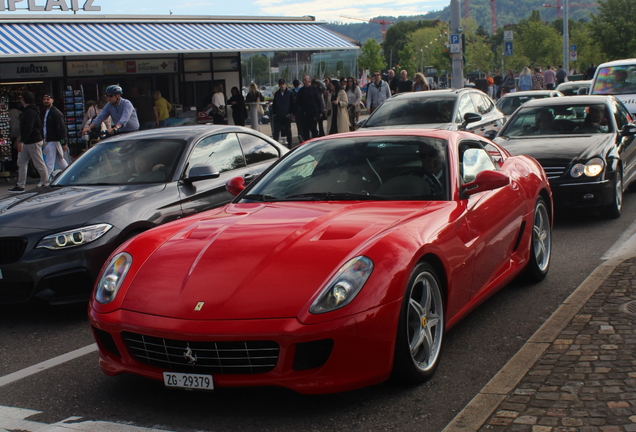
54 135
30 143
283 109
308 106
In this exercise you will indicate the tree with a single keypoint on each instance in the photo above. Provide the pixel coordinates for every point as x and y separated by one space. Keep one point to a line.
430 44
370 56
397 36
613 27
407 60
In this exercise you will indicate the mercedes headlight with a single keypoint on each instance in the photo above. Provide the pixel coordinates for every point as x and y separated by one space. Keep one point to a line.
77 237
344 286
112 278
591 169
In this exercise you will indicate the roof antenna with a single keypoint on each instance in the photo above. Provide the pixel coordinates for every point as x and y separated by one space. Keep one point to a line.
170 12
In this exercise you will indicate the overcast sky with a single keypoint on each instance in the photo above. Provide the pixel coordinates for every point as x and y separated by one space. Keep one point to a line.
321 9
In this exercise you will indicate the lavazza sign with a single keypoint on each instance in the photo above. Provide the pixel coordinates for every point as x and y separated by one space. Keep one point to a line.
49 5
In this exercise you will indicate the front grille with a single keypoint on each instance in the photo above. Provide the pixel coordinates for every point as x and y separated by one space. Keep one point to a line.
554 172
11 249
248 357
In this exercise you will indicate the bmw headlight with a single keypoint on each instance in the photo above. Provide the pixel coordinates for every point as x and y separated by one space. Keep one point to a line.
72 238
113 277
591 169
344 286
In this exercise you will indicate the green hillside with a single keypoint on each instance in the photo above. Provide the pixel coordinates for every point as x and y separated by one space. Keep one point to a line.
508 11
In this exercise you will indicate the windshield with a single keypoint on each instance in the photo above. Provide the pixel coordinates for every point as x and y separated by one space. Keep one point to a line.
559 119
376 168
508 104
615 80
413 111
125 162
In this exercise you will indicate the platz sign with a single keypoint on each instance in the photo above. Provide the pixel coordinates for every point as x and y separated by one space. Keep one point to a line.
49 5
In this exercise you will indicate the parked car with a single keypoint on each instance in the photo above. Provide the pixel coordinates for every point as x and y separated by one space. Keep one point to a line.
617 78
584 143
462 109
572 88
343 264
54 241
508 103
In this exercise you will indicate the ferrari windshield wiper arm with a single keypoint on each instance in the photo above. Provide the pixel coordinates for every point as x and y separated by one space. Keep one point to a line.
260 197
317 196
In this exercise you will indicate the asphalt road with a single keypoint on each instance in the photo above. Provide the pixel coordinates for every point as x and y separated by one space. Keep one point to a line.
474 351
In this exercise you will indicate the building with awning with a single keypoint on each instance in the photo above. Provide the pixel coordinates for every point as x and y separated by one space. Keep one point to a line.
181 56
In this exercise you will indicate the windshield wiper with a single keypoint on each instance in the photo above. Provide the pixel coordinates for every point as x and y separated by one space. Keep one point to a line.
318 196
260 197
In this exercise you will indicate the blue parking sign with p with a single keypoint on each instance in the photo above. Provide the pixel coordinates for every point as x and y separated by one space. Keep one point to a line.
455 39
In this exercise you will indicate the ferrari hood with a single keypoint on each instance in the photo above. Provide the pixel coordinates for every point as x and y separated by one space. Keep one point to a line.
443 126
253 261
60 208
559 149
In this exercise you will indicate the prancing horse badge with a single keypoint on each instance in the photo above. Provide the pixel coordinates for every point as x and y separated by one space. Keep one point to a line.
199 306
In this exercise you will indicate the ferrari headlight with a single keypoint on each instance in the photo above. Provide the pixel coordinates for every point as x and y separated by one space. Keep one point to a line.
344 286
594 167
72 238
112 278
591 169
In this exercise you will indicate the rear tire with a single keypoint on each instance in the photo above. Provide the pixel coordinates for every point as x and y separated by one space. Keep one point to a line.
421 327
540 243
613 210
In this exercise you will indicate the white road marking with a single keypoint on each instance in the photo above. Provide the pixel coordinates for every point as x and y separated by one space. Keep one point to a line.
15 376
624 246
16 419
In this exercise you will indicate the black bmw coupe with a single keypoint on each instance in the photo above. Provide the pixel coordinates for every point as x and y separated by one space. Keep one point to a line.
586 145
53 241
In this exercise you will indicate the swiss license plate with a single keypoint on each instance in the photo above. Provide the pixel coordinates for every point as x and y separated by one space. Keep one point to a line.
188 381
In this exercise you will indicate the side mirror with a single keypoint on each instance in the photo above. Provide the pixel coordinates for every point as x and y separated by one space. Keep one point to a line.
581 91
491 134
628 130
485 181
235 185
470 118
202 172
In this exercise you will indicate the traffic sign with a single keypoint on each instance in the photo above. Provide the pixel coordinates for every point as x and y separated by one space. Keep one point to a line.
508 35
508 48
572 47
573 56
455 43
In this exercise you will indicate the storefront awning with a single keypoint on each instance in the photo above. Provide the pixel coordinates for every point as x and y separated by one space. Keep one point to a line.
56 39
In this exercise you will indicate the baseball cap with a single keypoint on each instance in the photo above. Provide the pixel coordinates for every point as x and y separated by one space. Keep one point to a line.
46 94
281 81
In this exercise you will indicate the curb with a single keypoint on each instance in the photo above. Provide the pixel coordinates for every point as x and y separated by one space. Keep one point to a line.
481 407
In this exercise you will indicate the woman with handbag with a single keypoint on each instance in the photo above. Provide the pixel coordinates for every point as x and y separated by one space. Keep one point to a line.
338 121
354 94
254 99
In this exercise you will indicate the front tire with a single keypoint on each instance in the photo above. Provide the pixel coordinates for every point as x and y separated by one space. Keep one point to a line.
421 327
613 210
540 243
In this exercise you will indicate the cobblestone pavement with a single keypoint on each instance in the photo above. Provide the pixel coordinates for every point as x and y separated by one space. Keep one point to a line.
585 381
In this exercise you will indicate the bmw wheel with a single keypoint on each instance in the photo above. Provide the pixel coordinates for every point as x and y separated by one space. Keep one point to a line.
613 210
421 327
540 243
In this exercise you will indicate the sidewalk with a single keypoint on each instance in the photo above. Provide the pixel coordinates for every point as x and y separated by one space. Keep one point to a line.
577 373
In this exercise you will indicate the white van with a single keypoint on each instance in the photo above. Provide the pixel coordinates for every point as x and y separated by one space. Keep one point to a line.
617 78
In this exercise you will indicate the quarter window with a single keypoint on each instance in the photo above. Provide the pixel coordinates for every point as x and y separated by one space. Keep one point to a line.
466 106
257 149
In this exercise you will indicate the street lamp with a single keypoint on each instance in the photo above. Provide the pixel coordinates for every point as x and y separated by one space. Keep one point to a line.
422 60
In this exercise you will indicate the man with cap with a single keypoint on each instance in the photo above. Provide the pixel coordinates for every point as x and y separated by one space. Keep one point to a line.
54 135
283 109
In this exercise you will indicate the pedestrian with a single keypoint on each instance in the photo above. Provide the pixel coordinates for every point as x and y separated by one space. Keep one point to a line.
325 96
589 74
525 79
420 83
308 106
509 84
490 83
405 84
147 112
296 85
338 121
30 143
120 110
239 110
497 80
561 75
14 131
218 104
538 83
283 111
54 135
254 99
163 109
92 110
377 92
549 78
392 80
354 96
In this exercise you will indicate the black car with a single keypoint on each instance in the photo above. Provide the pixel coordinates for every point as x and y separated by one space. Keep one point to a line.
54 241
461 109
585 144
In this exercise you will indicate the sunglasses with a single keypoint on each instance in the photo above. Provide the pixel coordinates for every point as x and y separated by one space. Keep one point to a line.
376 74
